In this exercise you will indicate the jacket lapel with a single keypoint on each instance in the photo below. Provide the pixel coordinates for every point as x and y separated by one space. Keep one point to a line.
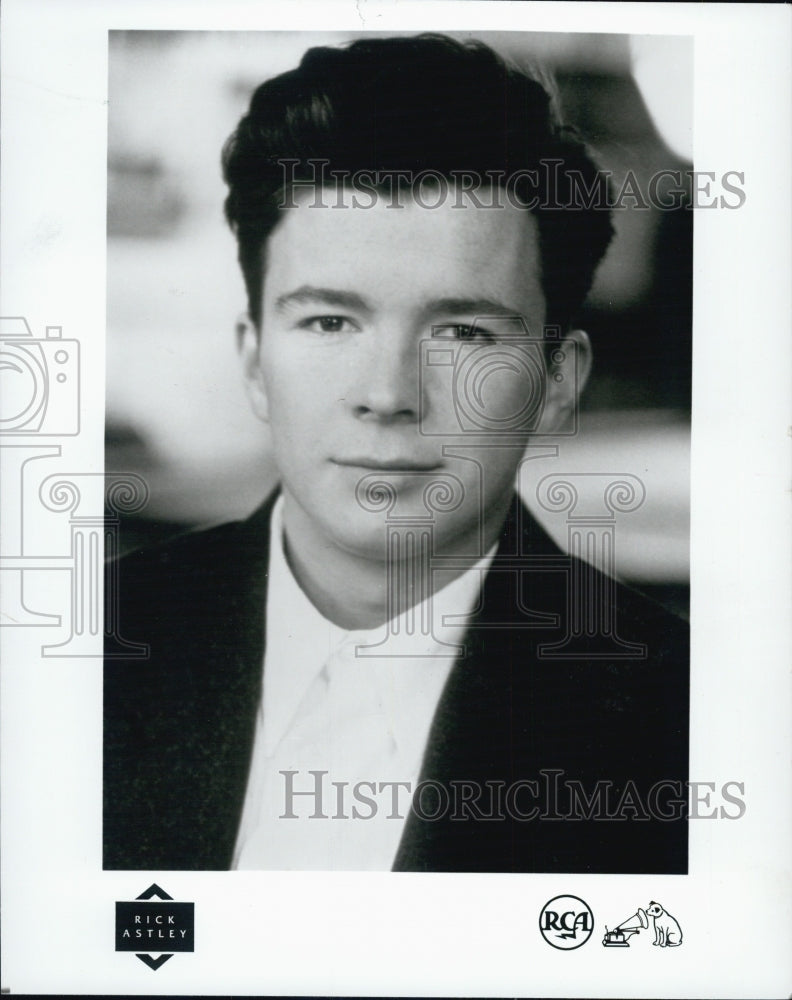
478 736
179 726
233 693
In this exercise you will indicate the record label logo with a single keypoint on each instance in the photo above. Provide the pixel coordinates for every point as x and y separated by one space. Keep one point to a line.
566 922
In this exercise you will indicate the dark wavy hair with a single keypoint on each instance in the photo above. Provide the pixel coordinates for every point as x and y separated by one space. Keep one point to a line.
426 102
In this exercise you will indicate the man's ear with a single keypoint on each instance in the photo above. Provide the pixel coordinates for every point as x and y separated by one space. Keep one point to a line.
248 340
568 369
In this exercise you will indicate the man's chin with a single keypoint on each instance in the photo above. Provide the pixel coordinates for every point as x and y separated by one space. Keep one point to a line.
384 539
365 537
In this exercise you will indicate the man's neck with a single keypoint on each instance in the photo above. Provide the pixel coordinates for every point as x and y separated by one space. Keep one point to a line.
352 590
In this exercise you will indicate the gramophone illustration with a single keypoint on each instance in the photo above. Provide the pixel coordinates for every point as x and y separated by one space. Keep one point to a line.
667 932
619 936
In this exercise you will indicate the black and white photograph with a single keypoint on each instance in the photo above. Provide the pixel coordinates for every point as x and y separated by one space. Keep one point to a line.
395 529
390 664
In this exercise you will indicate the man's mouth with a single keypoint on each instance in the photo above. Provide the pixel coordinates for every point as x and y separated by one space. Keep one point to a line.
397 464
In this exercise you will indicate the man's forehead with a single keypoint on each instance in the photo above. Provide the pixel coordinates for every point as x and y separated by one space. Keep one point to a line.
456 249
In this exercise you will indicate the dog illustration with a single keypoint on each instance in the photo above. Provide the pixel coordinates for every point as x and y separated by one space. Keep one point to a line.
668 933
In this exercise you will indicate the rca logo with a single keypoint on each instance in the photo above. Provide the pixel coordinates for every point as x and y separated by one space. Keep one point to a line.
566 922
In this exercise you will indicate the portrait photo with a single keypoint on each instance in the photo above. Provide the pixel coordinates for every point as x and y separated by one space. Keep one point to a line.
400 344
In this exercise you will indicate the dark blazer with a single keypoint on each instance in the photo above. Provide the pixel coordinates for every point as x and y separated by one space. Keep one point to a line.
179 726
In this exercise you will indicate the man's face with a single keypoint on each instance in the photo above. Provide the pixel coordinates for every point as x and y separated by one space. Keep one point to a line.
349 294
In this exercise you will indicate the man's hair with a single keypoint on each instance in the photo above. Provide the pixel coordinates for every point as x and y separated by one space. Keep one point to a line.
417 103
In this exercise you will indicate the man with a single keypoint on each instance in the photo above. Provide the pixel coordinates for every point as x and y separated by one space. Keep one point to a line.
373 670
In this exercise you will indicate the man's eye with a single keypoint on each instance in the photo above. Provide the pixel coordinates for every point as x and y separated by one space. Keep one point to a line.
327 324
462 332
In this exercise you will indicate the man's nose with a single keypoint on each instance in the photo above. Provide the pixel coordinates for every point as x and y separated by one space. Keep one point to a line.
387 387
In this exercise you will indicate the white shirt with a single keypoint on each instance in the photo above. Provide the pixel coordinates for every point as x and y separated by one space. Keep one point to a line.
330 706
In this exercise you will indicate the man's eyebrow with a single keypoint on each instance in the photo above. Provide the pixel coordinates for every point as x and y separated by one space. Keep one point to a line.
307 294
478 307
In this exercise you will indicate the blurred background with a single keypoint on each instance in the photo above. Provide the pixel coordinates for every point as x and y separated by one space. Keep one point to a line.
177 413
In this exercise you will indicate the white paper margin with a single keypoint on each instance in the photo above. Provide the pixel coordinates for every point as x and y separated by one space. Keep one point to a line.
427 934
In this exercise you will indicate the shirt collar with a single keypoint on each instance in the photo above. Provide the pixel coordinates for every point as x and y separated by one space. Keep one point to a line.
300 640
